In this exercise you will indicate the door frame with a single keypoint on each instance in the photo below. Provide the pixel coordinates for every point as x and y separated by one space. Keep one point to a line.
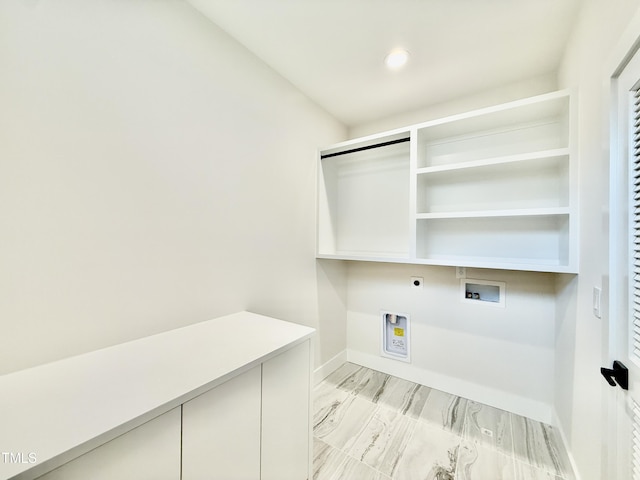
623 52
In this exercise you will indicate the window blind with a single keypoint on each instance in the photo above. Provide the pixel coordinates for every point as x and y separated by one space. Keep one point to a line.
634 347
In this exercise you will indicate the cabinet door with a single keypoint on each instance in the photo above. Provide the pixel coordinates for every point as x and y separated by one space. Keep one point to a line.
148 452
221 431
286 426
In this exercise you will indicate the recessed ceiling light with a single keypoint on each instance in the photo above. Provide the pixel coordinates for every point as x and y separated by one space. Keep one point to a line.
396 58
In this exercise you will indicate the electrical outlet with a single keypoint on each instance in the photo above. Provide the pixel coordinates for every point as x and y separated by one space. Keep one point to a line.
416 282
461 272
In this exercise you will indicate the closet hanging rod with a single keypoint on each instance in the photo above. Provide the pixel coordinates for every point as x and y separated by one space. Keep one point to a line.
368 147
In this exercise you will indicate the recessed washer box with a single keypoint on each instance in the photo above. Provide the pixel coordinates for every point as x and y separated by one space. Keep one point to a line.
482 292
395 336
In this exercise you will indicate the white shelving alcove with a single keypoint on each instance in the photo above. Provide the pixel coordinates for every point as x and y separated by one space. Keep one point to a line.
493 188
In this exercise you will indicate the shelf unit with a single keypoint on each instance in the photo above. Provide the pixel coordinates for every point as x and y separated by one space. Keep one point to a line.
493 188
365 188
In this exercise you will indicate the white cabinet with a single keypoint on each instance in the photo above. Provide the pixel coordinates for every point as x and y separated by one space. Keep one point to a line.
490 188
221 431
286 403
254 426
148 452
180 404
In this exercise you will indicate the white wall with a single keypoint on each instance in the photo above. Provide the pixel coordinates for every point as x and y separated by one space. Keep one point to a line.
465 103
153 174
499 356
581 338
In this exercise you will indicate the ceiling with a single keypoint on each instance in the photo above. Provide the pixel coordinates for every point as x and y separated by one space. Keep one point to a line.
333 50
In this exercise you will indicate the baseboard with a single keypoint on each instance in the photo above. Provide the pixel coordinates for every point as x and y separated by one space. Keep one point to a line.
326 368
558 425
526 407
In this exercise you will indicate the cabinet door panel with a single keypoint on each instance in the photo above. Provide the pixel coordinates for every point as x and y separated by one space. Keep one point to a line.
221 431
148 452
286 428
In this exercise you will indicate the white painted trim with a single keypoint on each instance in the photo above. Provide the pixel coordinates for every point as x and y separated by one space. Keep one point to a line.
622 54
625 48
619 58
413 194
517 404
324 370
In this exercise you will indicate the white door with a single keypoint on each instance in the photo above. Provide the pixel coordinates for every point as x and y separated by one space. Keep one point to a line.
286 423
221 431
148 452
624 312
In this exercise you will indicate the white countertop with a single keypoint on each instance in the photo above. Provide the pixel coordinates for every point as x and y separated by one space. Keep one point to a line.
63 409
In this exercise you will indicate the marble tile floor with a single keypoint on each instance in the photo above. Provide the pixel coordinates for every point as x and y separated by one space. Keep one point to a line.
372 426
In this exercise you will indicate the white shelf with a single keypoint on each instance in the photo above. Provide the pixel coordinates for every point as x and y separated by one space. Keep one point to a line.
499 263
368 256
509 159
531 125
510 116
543 183
541 240
531 212
493 188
